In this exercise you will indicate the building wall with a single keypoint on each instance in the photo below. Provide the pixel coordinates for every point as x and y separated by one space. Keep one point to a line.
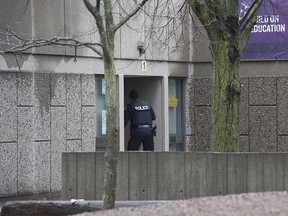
263 105
47 94
42 115
263 114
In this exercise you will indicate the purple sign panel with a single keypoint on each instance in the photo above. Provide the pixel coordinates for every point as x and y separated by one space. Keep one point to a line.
269 35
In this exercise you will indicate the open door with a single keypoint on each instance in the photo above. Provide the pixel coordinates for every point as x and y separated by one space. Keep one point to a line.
150 89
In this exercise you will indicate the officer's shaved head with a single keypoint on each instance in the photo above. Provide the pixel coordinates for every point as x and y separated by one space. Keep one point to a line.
133 94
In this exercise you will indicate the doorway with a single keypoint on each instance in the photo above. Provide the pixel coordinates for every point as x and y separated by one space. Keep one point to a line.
151 90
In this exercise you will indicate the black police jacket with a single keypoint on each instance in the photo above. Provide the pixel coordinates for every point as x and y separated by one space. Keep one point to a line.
139 112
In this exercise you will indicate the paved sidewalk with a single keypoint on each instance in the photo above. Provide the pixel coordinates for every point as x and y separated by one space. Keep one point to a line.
44 196
249 204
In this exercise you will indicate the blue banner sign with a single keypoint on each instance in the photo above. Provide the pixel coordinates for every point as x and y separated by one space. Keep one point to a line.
269 35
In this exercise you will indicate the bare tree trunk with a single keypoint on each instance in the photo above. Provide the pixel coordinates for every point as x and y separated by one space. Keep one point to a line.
228 37
107 29
225 98
112 138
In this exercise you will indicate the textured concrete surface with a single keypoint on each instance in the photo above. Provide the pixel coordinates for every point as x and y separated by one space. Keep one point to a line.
8 107
174 175
202 128
262 90
282 108
251 204
244 108
42 115
263 129
262 117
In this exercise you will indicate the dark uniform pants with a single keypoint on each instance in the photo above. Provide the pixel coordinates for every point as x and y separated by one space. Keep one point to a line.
141 135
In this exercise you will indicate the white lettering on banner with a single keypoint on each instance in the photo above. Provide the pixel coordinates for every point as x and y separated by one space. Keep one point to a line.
269 28
267 24
268 19
141 108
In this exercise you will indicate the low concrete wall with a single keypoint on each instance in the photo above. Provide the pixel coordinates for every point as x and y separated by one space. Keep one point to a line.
174 175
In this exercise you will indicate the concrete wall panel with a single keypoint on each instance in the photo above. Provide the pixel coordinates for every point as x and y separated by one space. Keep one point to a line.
190 143
179 175
285 170
88 90
202 128
282 143
130 35
203 95
282 102
262 90
177 69
25 150
263 134
255 172
189 115
99 178
179 34
168 171
88 129
273 172
58 90
48 23
201 42
266 68
280 171
138 173
8 169
69 176
42 106
216 173
262 115
244 108
73 146
86 175
244 143
18 21
73 107
196 182
81 26
202 70
156 40
58 144
236 173
8 107
122 192
41 124
41 167
25 89
152 185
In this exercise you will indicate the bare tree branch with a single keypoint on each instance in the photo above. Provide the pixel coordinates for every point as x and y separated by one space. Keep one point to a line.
25 9
26 44
95 11
130 15
247 22
207 14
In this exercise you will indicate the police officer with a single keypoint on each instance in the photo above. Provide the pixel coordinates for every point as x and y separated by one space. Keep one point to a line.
140 113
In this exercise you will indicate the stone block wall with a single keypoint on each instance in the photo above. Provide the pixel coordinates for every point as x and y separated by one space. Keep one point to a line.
263 125
42 115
